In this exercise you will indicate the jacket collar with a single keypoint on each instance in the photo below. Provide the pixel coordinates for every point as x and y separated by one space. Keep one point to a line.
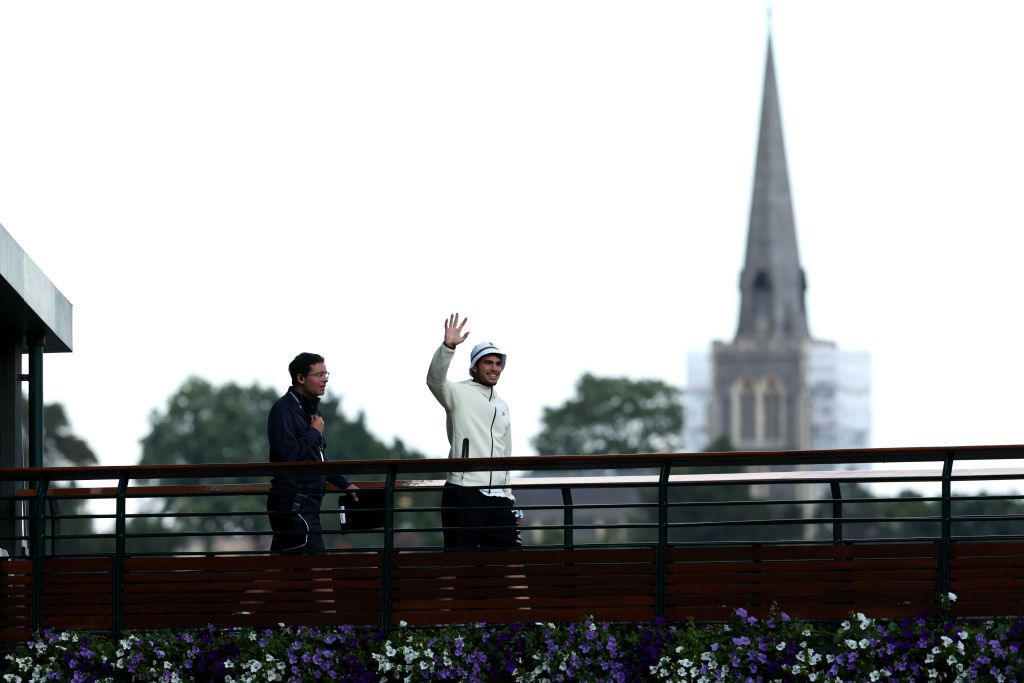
482 388
309 405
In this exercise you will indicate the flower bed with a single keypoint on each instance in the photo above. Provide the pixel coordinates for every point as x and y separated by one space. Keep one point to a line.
774 648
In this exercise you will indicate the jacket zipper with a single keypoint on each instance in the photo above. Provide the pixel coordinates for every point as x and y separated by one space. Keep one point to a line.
494 417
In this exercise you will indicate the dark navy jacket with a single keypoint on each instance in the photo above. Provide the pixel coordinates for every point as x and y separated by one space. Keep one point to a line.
292 439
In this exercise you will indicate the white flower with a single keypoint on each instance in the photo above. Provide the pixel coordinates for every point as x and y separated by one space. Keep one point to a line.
864 643
951 596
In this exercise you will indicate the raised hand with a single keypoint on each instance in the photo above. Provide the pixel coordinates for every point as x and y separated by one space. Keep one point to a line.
453 335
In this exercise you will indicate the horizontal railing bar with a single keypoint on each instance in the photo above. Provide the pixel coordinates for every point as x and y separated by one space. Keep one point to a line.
843 458
527 483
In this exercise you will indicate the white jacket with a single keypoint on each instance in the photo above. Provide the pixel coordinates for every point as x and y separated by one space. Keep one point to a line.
476 417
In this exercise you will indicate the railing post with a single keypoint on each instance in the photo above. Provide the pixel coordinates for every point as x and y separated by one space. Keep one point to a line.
117 580
42 486
35 439
837 512
568 540
945 542
389 544
661 554
35 402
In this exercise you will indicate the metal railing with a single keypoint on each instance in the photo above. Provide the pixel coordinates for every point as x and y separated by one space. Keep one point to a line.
651 500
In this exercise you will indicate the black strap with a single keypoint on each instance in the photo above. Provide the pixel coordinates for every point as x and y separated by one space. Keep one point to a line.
298 500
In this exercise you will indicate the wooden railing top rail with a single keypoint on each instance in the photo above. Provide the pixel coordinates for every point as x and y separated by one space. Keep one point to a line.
775 459
790 476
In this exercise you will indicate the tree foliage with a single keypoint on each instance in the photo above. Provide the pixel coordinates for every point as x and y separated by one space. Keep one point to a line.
203 423
613 415
62 447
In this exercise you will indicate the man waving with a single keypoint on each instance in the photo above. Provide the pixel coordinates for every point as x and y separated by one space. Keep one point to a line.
476 507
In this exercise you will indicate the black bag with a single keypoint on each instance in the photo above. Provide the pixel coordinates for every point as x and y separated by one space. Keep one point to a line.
366 513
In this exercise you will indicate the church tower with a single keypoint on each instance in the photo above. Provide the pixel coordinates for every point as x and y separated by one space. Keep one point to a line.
774 387
759 399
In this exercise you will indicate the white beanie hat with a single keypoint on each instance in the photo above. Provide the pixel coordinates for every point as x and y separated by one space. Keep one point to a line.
485 349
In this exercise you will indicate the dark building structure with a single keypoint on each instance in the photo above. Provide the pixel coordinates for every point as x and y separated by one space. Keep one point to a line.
35 318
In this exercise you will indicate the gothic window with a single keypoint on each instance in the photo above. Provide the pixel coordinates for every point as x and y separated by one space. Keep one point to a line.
745 408
771 400
762 302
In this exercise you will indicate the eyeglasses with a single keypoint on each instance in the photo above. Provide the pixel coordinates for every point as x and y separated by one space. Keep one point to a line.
320 375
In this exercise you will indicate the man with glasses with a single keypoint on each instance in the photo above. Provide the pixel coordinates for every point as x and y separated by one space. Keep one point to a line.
295 429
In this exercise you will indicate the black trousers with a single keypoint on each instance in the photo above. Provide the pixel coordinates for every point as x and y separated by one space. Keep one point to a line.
471 520
295 519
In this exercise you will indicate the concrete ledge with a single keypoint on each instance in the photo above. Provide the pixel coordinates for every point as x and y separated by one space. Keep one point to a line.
29 303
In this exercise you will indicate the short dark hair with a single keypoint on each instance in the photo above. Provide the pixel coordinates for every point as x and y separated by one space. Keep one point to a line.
301 364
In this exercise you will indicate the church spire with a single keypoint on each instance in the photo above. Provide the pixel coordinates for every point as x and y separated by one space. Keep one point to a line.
772 282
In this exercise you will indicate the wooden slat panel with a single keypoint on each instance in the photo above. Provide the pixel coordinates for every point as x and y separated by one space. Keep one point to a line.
15 600
823 581
509 586
826 581
987 578
258 590
77 593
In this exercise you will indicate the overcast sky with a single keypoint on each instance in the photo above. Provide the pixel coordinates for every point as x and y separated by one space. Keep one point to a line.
217 186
